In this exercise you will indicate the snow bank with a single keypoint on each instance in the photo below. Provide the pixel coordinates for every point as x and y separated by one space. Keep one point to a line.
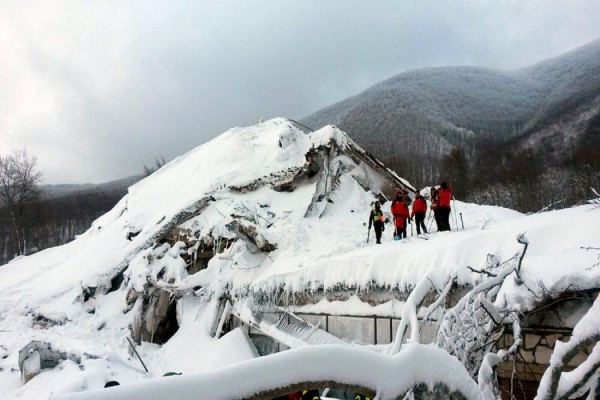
390 377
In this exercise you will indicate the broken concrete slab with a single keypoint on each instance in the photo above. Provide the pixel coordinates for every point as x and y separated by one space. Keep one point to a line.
38 356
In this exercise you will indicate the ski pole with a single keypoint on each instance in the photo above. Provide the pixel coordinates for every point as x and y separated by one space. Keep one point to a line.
454 209
368 234
430 220
455 220
461 221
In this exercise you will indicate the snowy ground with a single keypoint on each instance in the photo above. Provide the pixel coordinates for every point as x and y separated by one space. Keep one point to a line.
312 253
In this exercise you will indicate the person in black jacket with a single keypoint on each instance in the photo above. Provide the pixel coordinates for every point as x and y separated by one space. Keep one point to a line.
376 219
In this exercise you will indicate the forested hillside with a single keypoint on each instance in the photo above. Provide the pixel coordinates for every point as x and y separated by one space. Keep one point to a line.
61 213
445 123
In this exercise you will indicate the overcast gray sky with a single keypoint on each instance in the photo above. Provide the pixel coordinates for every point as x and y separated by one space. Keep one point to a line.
96 89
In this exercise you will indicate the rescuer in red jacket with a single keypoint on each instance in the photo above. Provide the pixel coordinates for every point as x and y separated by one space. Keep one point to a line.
401 214
419 210
444 195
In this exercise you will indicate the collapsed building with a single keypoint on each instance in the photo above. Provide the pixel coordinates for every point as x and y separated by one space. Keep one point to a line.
228 229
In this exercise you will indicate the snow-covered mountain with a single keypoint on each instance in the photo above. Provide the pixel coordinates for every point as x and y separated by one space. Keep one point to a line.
257 216
418 116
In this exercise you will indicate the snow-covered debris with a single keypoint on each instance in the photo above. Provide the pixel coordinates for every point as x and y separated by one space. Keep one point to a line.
272 215
37 356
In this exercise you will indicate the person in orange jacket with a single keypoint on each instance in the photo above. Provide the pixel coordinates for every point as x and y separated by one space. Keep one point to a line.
401 214
444 196
419 210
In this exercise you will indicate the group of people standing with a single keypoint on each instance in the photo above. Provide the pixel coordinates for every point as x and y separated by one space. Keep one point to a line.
440 206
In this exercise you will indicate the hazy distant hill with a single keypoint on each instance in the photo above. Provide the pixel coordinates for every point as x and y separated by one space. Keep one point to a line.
63 212
119 185
414 119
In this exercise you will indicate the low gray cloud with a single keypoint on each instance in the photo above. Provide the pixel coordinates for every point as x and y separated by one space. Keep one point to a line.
97 89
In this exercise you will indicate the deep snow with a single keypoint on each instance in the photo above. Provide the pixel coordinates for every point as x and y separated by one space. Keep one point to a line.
312 253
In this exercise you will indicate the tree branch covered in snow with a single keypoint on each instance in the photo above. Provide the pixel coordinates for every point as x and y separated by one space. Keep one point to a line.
418 367
487 372
441 298
470 329
556 382
409 315
483 271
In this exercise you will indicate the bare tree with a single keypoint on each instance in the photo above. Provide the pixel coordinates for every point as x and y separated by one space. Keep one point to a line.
19 181
158 163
